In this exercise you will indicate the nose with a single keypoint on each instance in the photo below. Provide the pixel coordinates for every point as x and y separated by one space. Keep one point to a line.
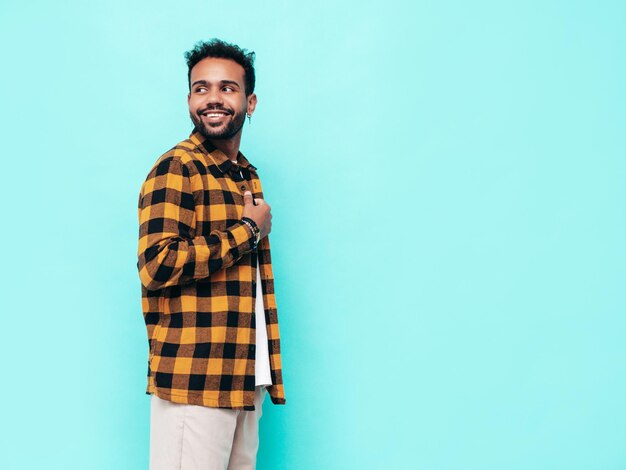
213 97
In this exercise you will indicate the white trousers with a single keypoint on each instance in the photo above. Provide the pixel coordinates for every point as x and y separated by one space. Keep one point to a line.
191 437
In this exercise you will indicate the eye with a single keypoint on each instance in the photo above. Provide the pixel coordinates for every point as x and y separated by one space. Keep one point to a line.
200 89
228 88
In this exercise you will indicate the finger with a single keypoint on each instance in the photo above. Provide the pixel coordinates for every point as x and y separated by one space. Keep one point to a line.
247 198
258 201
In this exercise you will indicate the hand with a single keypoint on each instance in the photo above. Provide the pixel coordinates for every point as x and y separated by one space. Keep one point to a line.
260 213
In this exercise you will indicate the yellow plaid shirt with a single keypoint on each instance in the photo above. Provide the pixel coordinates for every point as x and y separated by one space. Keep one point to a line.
197 268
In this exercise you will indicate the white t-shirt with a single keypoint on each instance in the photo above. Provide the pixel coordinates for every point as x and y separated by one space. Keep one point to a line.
262 373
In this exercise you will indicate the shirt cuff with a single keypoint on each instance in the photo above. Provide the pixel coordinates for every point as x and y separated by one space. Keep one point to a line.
244 237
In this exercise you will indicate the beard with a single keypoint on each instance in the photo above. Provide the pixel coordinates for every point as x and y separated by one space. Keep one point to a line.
219 131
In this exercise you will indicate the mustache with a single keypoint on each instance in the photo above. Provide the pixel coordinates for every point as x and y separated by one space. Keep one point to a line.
215 108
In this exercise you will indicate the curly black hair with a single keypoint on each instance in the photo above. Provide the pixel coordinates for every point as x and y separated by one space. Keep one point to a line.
223 50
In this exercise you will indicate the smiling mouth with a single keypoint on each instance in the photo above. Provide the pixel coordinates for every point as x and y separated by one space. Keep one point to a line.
214 114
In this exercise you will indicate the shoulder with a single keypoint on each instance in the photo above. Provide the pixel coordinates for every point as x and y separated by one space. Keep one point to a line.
181 159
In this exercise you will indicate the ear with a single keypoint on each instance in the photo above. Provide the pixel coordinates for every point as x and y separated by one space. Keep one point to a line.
251 104
188 98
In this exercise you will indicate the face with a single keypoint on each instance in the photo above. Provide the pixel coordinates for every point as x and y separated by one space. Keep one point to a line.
217 101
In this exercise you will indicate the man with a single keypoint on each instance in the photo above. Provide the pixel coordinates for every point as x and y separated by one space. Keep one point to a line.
207 282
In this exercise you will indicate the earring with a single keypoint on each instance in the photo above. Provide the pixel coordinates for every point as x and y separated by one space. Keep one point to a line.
249 116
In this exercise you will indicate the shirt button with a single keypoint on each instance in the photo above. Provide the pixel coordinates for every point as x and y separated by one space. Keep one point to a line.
243 187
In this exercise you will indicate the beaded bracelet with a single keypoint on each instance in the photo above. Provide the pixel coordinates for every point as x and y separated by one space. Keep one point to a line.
254 228
252 224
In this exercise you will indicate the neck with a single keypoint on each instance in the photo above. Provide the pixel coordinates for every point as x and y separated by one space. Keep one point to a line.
230 147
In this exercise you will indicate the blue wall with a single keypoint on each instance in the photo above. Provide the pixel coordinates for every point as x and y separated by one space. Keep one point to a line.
447 182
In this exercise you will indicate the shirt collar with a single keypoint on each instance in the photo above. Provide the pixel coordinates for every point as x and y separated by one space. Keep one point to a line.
219 158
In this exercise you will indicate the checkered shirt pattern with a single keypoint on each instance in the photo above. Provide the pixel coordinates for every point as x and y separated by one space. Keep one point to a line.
197 265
